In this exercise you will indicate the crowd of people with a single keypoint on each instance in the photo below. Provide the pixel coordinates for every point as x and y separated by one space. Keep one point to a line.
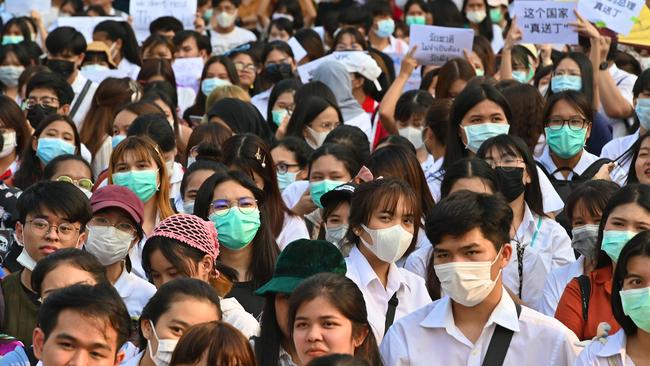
284 184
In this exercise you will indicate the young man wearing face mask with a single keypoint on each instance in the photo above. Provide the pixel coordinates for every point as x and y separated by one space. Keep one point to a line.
470 234
51 216
381 28
224 33
65 48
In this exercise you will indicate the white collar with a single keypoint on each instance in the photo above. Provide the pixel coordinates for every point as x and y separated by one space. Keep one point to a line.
615 345
367 275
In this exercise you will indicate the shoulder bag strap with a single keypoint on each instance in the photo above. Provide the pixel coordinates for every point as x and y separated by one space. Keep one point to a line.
585 292
390 313
80 98
499 344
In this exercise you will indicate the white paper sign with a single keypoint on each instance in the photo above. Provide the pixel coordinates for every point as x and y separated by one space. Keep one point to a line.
24 7
546 22
146 11
617 15
188 72
297 49
85 25
437 45
98 76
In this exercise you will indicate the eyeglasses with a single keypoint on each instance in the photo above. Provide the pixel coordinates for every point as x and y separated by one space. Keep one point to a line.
507 164
282 168
124 227
246 205
84 183
65 230
48 101
574 123
240 66
328 126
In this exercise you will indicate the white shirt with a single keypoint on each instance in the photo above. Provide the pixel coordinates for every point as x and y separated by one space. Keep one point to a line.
611 353
261 101
411 291
186 97
133 361
224 42
102 157
134 291
430 333
497 38
77 87
175 180
551 200
614 149
135 256
396 46
418 261
556 282
132 70
586 159
235 315
291 195
363 122
293 228
624 83
546 247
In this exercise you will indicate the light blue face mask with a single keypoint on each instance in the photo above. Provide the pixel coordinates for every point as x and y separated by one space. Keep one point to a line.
385 28
318 189
479 72
415 19
94 68
566 82
207 15
285 179
236 229
144 183
522 77
50 147
636 305
614 241
117 139
642 110
565 142
208 85
478 133
278 115
12 39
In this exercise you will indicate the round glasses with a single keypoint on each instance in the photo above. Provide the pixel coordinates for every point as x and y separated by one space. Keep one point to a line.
84 183
507 164
124 227
65 230
283 168
245 205
574 123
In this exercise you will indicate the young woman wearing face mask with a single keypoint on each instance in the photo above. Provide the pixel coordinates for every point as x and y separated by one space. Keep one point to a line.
194 176
384 218
174 308
417 12
72 169
336 214
626 214
218 70
630 306
120 39
281 106
541 244
279 64
56 135
584 208
137 164
476 17
329 166
233 203
15 136
186 246
290 155
313 119
297 262
13 61
337 298
112 231
126 115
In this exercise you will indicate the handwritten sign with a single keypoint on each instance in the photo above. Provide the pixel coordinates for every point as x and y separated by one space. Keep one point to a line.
98 76
297 49
437 45
187 72
85 25
546 22
617 15
24 7
146 11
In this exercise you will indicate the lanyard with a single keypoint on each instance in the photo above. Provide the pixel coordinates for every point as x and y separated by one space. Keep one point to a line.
520 255
539 225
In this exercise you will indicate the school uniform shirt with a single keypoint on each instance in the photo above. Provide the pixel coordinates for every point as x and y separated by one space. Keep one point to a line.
497 38
432 169
293 228
614 149
133 361
186 97
430 335
102 157
175 180
235 315
624 83
556 282
131 69
261 101
612 353
418 261
135 256
411 292
77 87
546 246
134 291
224 42
585 161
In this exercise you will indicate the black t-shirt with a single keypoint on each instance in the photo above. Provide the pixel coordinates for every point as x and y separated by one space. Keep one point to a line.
244 292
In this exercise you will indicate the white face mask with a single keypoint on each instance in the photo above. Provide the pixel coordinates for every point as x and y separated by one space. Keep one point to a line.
413 134
26 260
107 244
388 244
335 234
9 145
476 16
165 349
467 283
188 207
225 19
319 137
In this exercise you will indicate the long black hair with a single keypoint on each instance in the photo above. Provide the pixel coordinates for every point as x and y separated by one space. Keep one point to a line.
586 74
115 30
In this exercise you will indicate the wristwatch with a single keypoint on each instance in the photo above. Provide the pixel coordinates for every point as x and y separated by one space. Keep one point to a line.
603 66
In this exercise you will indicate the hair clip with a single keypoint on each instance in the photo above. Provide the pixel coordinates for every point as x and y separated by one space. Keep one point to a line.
260 158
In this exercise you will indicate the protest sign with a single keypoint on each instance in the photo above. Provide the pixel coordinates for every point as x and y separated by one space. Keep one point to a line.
24 7
85 25
617 15
297 49
188 72
146 11
98 76
546 22
437 45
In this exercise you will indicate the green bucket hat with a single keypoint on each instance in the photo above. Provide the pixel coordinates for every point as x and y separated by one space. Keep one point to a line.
301 259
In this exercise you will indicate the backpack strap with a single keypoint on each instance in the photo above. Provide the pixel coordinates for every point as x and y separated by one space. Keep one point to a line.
591 171
80 98
499 344
390 313
585 292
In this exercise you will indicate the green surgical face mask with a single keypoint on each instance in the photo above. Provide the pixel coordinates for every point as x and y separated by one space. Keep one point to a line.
236 229
636 305
614 241
415 19
495 15
565 142
318 189
144 183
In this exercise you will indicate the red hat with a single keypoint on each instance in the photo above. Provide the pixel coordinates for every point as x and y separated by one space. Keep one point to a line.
113 195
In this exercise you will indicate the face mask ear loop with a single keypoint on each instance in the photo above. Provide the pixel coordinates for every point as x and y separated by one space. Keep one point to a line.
153 329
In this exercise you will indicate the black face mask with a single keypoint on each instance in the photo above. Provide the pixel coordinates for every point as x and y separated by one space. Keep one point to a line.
510 182
64 68
36 113
277 72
